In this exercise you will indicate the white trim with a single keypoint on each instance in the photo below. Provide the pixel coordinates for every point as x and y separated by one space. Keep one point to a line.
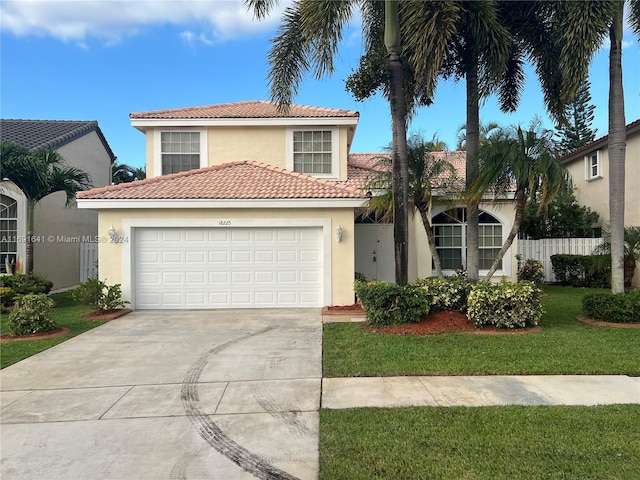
335 151
11 190
129 226
157 147
99 204
168 123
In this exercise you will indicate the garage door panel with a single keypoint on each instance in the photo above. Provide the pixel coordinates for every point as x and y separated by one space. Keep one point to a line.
228 267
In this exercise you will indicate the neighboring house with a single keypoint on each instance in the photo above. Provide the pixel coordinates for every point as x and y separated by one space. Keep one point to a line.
59 231
589 169
246 206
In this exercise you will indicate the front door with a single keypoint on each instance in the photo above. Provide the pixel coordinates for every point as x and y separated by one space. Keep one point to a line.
374 251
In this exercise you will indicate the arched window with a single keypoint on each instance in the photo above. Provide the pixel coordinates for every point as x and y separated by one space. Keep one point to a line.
8 232
450 234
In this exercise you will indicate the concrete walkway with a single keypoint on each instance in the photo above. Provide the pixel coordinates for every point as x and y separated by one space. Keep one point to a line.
476 391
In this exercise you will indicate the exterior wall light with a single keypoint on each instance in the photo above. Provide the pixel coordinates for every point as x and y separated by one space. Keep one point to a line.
339 234
112 232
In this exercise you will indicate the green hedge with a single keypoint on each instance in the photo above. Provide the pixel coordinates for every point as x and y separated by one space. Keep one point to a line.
446 294
505 305
607 307
26 284
387 303
581 270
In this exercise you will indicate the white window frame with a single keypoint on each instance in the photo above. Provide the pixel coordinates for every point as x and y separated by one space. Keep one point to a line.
335 150
588 166
157 147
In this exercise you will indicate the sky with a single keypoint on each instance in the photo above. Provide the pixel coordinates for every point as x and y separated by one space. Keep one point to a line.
102 60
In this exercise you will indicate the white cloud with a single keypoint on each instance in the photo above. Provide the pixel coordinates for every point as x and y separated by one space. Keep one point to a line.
111 20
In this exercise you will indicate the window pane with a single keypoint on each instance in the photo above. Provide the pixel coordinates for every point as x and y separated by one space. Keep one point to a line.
316 145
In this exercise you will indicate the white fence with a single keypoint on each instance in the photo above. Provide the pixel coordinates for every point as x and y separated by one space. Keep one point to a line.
543 249
88 261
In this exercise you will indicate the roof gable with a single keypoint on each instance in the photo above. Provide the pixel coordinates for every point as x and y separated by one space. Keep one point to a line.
245 180
597 144
49 134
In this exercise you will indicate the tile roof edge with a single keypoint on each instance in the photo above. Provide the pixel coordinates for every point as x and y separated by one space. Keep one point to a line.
573 155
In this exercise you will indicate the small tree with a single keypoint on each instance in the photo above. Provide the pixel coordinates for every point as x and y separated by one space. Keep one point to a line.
38 174
575 130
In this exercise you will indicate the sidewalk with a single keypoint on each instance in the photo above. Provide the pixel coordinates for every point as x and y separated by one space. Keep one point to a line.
477 391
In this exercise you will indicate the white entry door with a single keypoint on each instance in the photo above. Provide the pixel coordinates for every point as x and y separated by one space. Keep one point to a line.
375 257
181 268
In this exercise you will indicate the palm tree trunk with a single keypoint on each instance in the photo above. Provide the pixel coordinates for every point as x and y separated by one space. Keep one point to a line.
471 171
424 214
521 201
617 144
400 166
28 261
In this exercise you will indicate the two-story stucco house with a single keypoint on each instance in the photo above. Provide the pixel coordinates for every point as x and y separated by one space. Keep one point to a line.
589 169
59 230
247 207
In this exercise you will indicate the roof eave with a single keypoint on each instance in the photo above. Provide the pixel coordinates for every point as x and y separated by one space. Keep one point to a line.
172 203
143 124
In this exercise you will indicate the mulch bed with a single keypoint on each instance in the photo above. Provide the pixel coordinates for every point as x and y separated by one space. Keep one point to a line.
448 321
354 309
107 314
590 321
58 332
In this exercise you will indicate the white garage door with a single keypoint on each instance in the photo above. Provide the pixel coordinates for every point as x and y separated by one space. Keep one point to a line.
228 267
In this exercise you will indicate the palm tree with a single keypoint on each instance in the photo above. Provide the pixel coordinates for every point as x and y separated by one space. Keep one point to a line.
484 132
123 173
308 40
39 174
524 160
631 253
427 173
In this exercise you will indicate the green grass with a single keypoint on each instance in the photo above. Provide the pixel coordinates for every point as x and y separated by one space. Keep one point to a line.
480 443
66 314
564 346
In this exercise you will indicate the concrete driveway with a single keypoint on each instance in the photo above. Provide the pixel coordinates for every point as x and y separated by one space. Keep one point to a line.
226 394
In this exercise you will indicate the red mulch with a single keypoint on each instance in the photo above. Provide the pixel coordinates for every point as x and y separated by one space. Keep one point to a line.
106 314
355 308
447 321
58 332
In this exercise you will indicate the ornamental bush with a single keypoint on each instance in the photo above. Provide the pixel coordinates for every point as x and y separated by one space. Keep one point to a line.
531 271
6 296
505 305
581 270
607 307
446 294
99 295
30 314
387 303
26 284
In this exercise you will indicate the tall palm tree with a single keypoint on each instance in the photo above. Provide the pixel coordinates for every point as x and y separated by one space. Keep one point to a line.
484 132
524 160
39 174
427 173
308 40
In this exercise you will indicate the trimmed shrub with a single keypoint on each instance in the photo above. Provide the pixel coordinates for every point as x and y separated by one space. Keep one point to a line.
99 295
6 296
505 305
31 315
387 303
608 307
581 270
26 284
446 293
531 271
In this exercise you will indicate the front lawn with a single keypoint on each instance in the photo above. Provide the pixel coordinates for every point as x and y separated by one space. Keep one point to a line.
67 313
564 346
478 443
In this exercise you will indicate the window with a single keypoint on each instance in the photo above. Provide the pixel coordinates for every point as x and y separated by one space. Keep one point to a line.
8 232
314 152
180 151
592 166
450 232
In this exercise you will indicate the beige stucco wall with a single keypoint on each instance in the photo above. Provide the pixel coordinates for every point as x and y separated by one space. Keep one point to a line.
58 254
420 255
595 193
112 256
265 144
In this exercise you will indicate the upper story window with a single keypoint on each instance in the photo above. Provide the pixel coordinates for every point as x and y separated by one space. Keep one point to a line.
179 150
593 167
314 152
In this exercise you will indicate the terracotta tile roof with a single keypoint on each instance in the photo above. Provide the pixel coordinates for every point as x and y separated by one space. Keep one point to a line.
49 134
597 143
362 165
248 109
230 181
